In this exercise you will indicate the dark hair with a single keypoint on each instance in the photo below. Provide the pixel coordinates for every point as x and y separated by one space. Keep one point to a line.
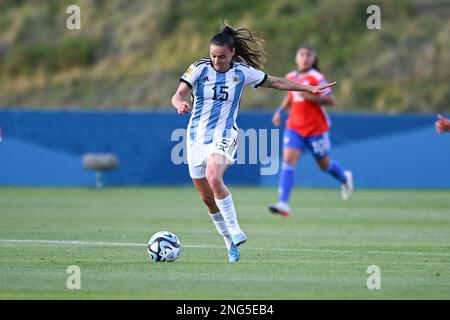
315 64
249 49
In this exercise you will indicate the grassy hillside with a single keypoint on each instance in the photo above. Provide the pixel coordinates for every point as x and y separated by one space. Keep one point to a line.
129 54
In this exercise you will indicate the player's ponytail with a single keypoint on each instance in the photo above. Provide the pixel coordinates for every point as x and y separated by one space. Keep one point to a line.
249 49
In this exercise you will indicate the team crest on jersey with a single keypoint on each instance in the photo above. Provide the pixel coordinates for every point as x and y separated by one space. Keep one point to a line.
188 71
235 79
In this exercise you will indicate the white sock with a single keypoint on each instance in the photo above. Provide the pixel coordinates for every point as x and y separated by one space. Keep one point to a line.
283 204
221 226
226 207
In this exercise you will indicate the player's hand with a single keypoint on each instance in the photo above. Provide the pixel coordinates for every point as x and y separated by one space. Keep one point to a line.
321 89
442 124
276 119
308 96
183 107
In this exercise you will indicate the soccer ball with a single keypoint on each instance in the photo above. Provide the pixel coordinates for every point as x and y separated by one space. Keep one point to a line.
164 246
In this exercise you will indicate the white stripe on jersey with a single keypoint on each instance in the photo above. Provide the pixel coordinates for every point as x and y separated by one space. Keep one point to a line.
217 97
206 112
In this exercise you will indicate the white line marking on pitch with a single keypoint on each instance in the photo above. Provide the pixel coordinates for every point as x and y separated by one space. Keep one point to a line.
131 244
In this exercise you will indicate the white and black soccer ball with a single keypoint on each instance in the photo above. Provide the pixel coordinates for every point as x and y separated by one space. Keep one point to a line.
164 246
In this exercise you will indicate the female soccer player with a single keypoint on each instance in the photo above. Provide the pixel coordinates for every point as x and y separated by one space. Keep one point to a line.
307 128
217 83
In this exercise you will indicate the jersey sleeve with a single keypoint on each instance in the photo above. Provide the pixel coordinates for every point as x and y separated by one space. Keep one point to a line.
321 81
190 77
255 77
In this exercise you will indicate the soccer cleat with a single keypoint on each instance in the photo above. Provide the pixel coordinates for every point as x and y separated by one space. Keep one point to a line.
347 188
233 253
239 238
280 208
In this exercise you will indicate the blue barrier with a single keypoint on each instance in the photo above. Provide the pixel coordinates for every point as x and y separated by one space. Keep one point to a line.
44 148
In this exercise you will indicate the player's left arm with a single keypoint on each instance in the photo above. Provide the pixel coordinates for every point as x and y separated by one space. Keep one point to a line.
289 85
328 100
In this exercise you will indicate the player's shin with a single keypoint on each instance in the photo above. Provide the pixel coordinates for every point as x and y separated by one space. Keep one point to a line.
286 182
221 227
226 207
335 170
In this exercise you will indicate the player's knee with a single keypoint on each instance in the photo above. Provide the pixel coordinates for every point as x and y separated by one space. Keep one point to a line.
323 165
290 161
215 182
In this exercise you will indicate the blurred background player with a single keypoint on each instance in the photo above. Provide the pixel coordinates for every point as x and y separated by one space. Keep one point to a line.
442 124
307 128
217 84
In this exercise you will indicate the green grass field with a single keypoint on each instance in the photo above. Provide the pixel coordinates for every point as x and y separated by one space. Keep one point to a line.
321 252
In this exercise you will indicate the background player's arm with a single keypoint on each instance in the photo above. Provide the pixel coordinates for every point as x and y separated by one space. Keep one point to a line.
289 85
442 124
328 100
286 102
276 119
180 97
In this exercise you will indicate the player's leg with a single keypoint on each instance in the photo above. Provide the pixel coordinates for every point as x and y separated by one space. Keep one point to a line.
197 154
207 196
293 147
321 146
332 167
215 169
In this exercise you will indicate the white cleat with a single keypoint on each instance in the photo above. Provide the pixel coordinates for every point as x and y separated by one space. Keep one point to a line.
347 188
280 208
238 239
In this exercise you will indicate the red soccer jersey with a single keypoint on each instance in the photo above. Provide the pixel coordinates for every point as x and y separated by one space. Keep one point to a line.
306 117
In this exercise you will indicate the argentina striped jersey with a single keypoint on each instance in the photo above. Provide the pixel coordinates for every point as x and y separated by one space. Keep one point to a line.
217 96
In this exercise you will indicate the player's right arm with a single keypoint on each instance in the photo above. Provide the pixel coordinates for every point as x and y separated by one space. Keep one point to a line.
276 119
187 82
179 99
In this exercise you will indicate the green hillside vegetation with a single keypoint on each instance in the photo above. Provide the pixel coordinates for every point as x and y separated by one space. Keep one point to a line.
130 54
